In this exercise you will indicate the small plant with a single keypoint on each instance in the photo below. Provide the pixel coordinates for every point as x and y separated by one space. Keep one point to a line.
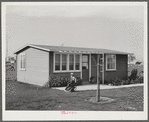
140 79
94 80
115 81
125 82
79 81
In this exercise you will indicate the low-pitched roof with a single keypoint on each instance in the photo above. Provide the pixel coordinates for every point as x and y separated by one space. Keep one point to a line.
71 49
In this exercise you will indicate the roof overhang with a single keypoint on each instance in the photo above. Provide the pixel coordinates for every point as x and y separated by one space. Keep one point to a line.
29 45
70 50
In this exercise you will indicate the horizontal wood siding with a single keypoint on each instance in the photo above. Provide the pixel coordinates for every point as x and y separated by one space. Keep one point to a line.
37 67
67 74
121 69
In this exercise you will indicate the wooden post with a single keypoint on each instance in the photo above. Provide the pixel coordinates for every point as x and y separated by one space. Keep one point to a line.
98 85
103 68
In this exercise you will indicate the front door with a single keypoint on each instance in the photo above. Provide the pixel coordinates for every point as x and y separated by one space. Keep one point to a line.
85 67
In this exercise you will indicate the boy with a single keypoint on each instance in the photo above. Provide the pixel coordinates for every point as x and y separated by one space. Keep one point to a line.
72 82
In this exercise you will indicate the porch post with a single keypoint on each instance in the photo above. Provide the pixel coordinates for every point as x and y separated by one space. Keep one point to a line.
89 66
81 65
103 62
98 83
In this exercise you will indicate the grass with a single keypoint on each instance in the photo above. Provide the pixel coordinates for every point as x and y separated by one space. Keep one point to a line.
20 96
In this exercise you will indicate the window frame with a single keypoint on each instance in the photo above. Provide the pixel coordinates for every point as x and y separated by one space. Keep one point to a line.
21 63
61 59
59 62
87 62
67 70
77 62
107 62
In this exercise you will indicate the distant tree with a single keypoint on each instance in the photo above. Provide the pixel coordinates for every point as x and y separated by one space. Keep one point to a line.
11 59
138 62
131 58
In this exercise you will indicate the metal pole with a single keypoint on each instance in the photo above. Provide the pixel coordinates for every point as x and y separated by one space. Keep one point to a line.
98 90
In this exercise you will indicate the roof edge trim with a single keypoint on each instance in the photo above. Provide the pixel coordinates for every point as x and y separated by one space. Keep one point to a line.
30 46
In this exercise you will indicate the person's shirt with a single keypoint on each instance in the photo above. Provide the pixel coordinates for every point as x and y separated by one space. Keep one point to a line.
73 79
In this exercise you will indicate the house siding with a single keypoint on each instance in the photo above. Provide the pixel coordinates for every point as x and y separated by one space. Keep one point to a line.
37 67
67 74
120 72
121 69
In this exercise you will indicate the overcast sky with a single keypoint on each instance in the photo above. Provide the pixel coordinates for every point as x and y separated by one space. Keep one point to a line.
119 27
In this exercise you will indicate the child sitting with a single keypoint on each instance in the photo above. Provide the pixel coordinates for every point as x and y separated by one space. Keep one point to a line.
72 82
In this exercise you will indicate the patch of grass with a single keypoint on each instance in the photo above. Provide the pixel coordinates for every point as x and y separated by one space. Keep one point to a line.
20 96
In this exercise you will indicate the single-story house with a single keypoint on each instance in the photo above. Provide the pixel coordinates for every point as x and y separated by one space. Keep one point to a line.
36 62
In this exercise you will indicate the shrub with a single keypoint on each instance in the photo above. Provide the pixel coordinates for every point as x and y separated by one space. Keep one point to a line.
79 81
56 81
133 78
107 82
94 80
133 75
141 79
125 82
115 81
138 80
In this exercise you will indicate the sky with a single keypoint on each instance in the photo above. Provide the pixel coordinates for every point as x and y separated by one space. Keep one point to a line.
117 27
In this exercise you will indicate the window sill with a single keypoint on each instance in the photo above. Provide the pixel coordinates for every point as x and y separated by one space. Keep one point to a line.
67 71
22 69
108 70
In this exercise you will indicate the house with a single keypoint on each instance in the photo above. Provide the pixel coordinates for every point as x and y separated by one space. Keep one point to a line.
36 62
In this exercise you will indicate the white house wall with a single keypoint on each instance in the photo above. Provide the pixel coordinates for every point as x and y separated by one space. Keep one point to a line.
37 67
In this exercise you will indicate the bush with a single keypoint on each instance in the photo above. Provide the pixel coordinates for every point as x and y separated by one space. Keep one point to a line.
116 81
107 82
133 75
138 80
133 78
125 82
56 81
79 81
93 80
141 80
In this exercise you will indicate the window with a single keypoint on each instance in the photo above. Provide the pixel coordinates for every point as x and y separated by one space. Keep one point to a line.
111 62
22 61
71 62
66 62
77 62
57 61
85 62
